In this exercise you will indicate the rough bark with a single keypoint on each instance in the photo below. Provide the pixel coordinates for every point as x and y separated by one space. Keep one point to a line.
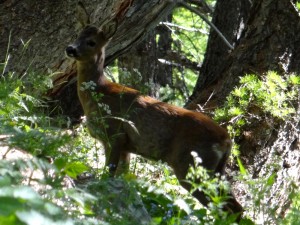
49 26
135 66
230 18
164 74
141 64
269 41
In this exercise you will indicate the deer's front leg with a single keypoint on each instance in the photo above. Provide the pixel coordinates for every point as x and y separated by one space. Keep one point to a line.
117 156
124 162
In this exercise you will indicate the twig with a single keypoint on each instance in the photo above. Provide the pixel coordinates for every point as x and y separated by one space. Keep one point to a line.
194 10
203 5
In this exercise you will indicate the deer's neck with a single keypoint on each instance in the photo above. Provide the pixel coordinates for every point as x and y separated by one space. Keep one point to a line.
90 78
91 70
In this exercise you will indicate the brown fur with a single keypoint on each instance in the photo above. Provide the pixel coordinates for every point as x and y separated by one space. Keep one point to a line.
142 125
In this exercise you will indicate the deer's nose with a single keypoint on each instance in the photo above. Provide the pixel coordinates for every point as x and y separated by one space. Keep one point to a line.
71 51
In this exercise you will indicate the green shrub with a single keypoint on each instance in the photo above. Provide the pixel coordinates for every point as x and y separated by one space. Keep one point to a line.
256 98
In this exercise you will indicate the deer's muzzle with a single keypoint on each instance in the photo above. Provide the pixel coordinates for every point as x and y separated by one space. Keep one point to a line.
71 51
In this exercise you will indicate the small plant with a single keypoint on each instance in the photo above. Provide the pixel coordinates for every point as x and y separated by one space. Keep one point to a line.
217 188
293 215
257 98
31 189
252 103
298 5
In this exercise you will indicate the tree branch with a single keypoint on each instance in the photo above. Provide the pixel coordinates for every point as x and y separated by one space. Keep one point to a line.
175 59
196 11
203 5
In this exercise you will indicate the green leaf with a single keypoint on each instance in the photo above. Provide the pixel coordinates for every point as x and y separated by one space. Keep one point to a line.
294 79
241 166
9 205
81 197
60 163
9 220
236 111
73 169
5 181
271 179
26 193
52 209
246 222
33 217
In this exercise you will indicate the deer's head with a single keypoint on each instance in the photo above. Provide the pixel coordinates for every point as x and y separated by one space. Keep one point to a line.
91 39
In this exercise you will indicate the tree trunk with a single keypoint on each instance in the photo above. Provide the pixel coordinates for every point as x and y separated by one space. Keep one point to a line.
270 40
49 26
141 68
230 18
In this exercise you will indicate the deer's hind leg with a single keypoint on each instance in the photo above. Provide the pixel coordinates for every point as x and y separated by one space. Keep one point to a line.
181 169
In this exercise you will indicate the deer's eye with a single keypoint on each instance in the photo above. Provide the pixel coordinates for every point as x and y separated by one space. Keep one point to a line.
91 43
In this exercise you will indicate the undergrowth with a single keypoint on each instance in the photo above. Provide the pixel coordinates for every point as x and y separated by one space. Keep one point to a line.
49 175
60 177
256 108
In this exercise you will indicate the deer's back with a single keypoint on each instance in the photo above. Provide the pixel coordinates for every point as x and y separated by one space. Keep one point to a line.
155 129
164 128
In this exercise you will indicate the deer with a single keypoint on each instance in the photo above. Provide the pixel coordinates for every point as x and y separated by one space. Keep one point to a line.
126 121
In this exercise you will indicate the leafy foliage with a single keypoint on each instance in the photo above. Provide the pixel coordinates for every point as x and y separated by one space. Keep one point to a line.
272 98
38 188
298 5
274 95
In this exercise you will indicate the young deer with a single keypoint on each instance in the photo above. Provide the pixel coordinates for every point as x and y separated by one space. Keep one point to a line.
140 124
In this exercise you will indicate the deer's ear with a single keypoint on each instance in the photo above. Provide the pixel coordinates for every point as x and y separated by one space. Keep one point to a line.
109 28
82 16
